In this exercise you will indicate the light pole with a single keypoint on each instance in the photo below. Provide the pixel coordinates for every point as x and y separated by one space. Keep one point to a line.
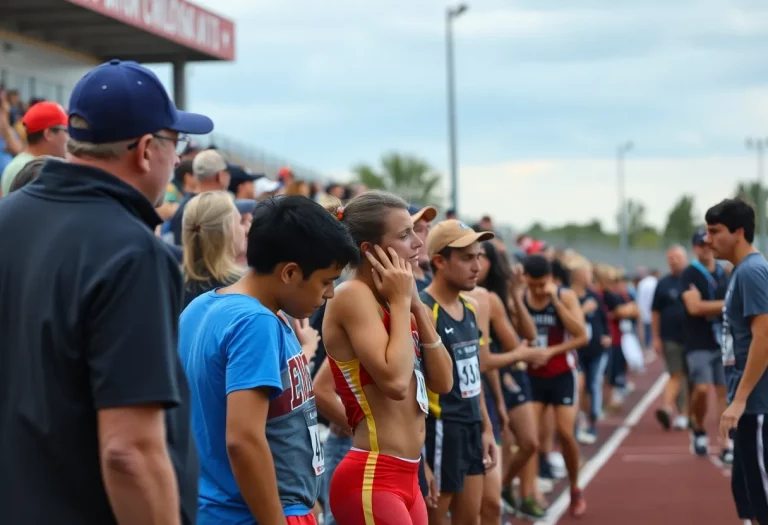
452 13
759 146
621 153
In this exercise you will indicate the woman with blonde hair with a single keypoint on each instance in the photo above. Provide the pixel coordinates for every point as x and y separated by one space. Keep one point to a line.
213 238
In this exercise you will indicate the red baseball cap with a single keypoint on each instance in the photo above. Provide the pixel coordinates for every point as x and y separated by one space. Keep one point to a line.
284 172
44 115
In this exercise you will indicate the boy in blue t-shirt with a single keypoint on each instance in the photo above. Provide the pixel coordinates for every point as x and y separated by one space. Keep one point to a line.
253 408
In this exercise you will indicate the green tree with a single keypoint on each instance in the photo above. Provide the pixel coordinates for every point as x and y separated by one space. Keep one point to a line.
406 175
680 222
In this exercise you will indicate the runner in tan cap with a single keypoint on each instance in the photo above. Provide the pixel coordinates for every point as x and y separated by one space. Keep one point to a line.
460 443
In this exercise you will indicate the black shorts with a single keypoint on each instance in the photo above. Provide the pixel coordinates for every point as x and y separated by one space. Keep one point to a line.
454 450
749 460
515 386
557 391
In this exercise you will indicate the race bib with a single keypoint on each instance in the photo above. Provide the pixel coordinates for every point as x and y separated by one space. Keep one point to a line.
542 340
625 325
318 456
421 388
729 358
589 331
469 376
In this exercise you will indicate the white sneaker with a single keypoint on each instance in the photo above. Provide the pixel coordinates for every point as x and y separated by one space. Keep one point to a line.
681 423
585 438
545 485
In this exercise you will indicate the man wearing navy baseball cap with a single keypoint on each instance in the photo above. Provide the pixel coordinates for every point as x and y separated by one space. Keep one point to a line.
95 415
704 284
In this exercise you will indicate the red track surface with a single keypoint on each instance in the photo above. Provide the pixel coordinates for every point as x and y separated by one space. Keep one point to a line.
652 478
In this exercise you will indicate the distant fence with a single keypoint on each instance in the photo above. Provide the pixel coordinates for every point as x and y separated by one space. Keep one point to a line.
258 160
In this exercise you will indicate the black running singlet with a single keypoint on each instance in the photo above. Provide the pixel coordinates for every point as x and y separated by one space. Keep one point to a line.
462 340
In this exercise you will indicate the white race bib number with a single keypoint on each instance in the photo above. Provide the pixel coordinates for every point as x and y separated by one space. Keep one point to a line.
589 331
542 340
729 358
625 325
469 376
318 455
421 391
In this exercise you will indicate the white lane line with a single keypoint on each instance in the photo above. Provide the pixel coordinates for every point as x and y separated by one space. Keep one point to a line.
593 466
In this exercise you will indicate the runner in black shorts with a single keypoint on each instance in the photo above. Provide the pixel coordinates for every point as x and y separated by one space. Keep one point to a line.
460 444
508 355
560 330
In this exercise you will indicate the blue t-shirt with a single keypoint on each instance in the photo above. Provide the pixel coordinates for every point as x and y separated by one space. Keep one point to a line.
747 296
231 342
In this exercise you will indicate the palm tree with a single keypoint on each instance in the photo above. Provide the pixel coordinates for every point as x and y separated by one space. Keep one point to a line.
406 175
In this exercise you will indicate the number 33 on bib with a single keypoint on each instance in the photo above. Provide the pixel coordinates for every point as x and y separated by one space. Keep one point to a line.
468 369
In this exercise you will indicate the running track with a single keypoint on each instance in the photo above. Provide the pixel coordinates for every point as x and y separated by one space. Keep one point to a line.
638 474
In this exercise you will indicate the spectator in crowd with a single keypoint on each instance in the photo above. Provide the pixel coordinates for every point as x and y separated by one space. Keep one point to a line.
245 208
667 318
28 173
191 151
450 214
285 176
298 187
265 188
95 412
182 184
46 127
645 290
10 143
212 174
213 238
242 183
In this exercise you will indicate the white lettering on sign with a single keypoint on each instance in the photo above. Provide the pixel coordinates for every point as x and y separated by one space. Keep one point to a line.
176 19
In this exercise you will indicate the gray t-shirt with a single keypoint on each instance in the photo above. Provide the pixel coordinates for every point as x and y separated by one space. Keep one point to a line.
747 296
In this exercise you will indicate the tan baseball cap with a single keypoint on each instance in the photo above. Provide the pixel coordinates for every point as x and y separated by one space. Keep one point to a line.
453 234
428 213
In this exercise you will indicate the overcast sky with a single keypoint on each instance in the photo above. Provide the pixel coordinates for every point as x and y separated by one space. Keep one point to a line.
545 94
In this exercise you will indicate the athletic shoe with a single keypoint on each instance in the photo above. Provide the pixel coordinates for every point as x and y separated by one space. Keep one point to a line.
682 423
726 456
699 443
662 416
530 510
578 504
508 502
545 485
587 436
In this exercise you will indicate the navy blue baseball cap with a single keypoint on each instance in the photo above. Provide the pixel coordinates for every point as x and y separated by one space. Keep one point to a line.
699 237
123 100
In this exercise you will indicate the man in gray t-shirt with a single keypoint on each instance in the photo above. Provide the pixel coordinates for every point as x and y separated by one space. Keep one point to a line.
730 233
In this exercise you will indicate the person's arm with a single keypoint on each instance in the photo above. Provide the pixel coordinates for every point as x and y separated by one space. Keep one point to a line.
388 357
167 209
137 471
569 303
507 339
494 385
524 322
327 401
438 366
133 378
252 379
692 298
